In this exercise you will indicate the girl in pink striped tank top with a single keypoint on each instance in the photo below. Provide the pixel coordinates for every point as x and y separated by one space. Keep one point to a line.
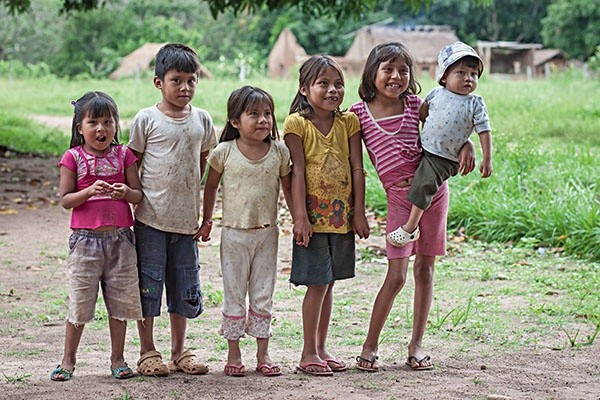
389 118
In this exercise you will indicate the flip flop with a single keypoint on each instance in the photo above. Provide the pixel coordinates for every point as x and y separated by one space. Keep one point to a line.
338 365
238 370
66 375
269 370
123 372
325 369
372 368
419 361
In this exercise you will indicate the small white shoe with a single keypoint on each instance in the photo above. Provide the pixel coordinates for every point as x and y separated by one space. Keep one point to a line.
400 237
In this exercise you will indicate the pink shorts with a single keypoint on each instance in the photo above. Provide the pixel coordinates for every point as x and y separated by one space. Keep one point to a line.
432 241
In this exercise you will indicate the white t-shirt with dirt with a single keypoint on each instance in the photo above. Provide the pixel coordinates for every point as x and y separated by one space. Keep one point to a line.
170 167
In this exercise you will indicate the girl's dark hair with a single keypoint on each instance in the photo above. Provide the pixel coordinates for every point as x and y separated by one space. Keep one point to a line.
310 70
389 51
241 100
93 105
178 57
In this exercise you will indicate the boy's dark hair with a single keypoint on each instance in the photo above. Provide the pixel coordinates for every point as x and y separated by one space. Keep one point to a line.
241 100
176 56
93 105
309 72
383 52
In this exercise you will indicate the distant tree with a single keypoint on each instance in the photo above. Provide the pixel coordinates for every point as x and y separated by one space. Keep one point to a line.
573 26
341 10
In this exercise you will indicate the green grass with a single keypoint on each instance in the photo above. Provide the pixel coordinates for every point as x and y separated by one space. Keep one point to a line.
535 294
544 193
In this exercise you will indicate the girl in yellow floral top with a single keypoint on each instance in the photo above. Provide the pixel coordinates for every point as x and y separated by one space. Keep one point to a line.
328 188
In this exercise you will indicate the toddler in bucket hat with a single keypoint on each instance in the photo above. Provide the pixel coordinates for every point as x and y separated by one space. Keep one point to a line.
452 53
450 114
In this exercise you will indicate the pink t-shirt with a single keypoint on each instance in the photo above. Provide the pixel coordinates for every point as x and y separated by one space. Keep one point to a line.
394 147
100 210
393 143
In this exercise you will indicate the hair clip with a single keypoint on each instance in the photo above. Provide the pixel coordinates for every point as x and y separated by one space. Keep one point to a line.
73 103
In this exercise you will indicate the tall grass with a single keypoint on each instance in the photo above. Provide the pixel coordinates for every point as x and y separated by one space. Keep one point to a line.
545 187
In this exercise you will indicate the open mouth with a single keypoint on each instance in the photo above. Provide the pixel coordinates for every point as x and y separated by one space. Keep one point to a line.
101 139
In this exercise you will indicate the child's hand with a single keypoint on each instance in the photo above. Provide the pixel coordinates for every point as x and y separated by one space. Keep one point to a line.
119 191
204 231
466 160
302 232
360 225
99 188
486 169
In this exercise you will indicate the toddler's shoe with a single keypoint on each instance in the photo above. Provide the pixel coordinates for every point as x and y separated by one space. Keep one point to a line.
400 237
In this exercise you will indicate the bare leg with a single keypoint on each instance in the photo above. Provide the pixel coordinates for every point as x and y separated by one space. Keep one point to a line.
145 331
72 338
311 317
117 329
178 328
324 321
234 354
262 352
413 219
423 275
393 283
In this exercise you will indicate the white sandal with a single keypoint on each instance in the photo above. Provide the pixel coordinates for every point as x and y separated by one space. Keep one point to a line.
400 237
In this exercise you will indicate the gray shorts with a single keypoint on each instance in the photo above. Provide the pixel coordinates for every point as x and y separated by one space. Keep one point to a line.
107 260
329 257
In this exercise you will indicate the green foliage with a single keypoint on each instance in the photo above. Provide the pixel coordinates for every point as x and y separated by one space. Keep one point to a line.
594 61
512 20
572 25
22 135
545 191
89 38
341 10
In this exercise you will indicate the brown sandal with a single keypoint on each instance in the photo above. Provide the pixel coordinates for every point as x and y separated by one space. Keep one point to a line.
151 364
187 363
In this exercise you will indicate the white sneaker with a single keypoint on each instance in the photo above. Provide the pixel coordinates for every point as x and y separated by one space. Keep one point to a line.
400 237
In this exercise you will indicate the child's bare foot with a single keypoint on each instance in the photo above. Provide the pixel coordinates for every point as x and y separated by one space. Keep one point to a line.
367 361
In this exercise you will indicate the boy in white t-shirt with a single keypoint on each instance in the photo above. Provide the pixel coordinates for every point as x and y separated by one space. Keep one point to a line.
450 113
171 140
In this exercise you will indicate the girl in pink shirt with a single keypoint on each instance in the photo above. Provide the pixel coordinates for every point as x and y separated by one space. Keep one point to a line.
389 119
98 180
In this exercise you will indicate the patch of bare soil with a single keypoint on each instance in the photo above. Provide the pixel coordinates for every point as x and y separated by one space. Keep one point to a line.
33 240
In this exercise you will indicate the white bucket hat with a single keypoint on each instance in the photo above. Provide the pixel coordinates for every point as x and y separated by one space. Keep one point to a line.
451 54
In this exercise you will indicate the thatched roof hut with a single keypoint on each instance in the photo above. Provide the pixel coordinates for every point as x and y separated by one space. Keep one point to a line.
423 42
285 54
140 60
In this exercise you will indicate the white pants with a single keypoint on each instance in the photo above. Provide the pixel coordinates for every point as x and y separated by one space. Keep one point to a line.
249 268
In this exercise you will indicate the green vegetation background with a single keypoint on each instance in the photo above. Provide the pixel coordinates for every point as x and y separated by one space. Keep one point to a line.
544 193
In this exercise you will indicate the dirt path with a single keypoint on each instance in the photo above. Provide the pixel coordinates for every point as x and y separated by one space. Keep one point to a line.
33 235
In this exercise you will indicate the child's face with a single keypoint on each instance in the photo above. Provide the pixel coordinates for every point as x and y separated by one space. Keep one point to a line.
392 79
255 123
326 93
178 88
461 79
98 133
